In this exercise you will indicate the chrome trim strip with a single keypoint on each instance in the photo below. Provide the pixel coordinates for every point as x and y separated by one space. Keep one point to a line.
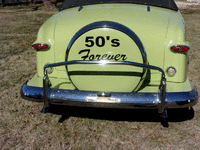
127 100
104 62
112 25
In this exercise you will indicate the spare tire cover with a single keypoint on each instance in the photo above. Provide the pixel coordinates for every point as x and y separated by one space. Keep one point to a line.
105 41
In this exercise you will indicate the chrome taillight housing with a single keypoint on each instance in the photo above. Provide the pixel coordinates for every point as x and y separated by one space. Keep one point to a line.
180 48
40 46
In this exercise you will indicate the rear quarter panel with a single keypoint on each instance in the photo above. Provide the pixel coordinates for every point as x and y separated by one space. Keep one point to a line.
176 36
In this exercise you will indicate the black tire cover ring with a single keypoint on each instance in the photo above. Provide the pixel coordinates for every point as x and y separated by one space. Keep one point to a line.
112 25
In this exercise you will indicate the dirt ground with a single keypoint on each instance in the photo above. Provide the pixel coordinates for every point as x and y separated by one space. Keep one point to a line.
22 126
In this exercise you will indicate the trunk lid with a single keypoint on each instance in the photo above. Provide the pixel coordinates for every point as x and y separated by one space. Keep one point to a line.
149 26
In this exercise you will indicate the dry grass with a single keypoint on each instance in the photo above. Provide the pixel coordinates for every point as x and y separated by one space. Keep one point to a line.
23 126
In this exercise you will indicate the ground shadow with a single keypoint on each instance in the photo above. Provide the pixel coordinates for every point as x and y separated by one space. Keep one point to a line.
131 115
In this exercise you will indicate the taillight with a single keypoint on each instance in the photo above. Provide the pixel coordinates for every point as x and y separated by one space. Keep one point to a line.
180 48
40 46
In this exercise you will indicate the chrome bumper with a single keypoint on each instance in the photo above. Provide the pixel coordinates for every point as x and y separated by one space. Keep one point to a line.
123 100
161 101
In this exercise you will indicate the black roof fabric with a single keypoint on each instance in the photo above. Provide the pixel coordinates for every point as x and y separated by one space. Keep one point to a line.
170 4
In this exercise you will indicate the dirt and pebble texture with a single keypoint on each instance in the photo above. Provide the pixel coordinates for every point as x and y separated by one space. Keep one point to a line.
187 4
22 126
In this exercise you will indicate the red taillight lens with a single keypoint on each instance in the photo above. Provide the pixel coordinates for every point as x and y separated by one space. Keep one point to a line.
39 46
180 48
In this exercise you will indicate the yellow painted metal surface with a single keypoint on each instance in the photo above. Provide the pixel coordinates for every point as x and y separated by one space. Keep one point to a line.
158 30
62 83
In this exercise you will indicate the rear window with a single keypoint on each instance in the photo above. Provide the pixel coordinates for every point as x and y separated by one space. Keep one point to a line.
170 4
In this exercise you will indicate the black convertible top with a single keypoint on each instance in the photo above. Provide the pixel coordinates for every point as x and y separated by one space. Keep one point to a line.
170 4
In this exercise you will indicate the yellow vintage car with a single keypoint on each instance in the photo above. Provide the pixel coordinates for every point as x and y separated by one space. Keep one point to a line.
113 54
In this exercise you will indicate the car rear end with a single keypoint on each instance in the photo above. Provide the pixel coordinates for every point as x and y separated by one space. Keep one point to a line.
112 56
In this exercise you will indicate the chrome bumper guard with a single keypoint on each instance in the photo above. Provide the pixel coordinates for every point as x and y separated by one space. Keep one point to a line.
160 101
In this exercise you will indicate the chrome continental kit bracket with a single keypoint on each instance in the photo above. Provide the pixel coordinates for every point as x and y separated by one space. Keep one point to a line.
162 87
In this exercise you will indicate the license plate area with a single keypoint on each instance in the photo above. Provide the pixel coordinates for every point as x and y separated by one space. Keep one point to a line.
103 99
